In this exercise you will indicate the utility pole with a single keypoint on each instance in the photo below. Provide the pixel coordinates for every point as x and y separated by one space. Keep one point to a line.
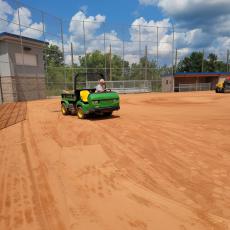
72 64
71 47
227 60
202 66
140 69
176 57
146 61
173 45
105 56
110 62
157 48
123 59
86 69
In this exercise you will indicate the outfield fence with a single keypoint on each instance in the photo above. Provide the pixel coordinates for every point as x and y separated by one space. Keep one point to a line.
194 87
130 86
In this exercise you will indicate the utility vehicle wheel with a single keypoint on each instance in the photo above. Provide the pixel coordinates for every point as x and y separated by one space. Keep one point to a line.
64 110
80 113
217 90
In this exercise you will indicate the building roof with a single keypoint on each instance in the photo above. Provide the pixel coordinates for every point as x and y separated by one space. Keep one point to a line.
5 36
203 74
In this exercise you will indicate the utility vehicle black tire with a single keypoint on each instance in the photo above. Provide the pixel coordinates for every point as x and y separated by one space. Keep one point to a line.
80 113
64 110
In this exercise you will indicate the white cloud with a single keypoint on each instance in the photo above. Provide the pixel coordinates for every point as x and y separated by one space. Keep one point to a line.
68 59
194 7
148 29
28 27
5 10
91 24
132 58
198 24
35 30
211 16
25 19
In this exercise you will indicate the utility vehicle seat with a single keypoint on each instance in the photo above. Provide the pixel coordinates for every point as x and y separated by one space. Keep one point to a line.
84 95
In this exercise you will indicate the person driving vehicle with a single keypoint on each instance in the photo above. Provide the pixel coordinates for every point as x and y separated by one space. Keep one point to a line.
101 86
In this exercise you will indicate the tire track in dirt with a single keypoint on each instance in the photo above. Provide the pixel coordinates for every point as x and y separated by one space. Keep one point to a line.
164 157
4 217
46 197
117 173
137 156
38 209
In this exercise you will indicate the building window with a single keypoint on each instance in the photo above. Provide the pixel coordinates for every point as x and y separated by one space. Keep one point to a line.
29 59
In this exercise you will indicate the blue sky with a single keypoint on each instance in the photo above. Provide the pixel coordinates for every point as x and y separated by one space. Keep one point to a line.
199 25
119 11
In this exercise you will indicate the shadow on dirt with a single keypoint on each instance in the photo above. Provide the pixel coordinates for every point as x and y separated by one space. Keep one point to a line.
12 113
101 117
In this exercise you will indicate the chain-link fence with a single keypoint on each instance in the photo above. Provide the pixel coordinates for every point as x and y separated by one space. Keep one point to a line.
89 44
143 50
193 87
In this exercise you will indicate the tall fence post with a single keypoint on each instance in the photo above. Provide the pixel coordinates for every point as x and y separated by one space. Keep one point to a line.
123 59
176 57
157 48
86 70
1 93
146 62
202 65
227 60
63 51
110 62
173 40
45 48
20 33
105 62
139 49
72 64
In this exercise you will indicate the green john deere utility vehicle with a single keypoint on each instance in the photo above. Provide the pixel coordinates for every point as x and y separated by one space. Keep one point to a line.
87 101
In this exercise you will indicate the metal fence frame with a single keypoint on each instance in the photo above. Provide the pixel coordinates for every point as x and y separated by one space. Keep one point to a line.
151 47
131 86
194 87
144 46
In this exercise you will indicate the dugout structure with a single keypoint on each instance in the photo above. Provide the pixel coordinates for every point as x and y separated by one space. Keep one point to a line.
182 82
22 75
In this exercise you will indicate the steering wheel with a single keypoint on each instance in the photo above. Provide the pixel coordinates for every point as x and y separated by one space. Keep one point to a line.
107 90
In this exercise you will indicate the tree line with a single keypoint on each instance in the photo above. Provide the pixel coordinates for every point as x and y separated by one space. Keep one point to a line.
196 62
113 67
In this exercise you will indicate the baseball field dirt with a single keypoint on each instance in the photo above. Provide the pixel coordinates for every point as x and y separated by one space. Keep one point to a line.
160 163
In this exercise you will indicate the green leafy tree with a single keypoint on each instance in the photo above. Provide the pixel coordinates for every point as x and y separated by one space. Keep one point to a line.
53 56
192 63
96 62
145 69
56 74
